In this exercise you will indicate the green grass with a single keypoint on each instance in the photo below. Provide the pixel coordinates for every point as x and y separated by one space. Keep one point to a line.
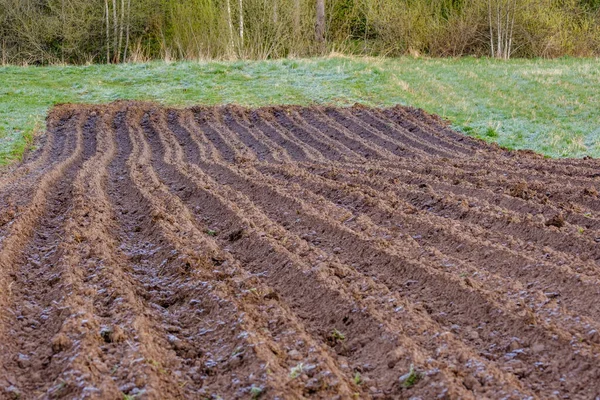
546 105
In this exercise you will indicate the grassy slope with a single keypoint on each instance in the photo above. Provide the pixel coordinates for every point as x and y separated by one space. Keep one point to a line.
548 106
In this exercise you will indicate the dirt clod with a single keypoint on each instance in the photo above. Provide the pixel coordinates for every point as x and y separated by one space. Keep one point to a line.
557 221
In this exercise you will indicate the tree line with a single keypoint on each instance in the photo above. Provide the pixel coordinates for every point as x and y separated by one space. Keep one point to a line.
113 31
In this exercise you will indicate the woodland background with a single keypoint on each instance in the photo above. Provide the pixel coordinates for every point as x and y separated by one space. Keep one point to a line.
100 31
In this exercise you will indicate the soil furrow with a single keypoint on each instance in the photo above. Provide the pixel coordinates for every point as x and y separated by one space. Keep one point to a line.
515 228
578 280
17 191
356 148
228 152
41 289
32 160
330 116
296 150
437 125
454 249
321 364
294 252
218 322
370 119
328 149
426 130
263 151
518 199
361 128
272 233
267 137
537 195
428 282
253 317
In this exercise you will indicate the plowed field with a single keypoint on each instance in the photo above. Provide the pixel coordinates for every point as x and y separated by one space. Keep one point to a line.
292 252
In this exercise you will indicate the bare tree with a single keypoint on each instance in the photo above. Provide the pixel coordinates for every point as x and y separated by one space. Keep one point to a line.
63 33
296 17
320 23
241 10
121 29
230 24
107 31
127 30
116 30
501 19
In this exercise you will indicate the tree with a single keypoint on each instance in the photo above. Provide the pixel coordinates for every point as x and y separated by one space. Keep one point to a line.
320 23
116 32
241 11
297 9
106 13
127 30
501 20
230 24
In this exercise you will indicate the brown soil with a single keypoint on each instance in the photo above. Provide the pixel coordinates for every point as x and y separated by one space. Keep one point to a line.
290 252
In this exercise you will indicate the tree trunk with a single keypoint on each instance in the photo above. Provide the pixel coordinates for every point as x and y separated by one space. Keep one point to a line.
501 19
127 30
107 31
499 30
296 18
121 29
241 23
320 24
116 28
230 23
491 26
63 34
512 28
